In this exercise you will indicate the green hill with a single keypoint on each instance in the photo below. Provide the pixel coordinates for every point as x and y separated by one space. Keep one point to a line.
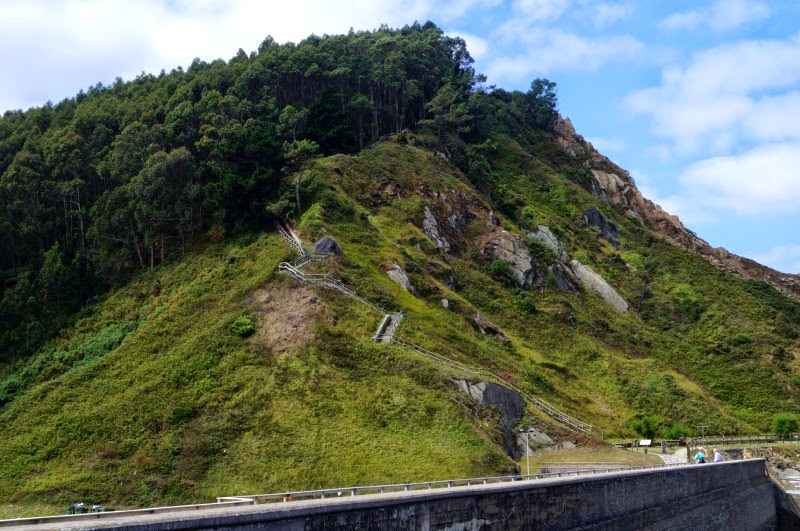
130 375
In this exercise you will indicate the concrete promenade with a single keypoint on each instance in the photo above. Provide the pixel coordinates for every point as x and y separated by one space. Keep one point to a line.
731 495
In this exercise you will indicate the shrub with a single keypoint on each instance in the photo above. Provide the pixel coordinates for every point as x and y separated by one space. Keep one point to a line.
501 271
646 427
688 300
784 424
243 327
675 431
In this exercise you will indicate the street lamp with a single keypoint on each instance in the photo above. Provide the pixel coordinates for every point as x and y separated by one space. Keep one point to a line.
527 448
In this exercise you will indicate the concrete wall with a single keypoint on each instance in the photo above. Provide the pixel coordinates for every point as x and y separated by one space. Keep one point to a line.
731 495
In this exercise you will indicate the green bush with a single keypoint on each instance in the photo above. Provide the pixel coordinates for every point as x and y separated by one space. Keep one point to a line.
243 327
784 424
647 427
501 271
675 431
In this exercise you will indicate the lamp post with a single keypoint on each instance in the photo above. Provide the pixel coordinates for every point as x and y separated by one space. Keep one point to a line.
527 449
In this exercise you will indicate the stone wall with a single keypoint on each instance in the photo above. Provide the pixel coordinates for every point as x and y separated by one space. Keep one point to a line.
731 495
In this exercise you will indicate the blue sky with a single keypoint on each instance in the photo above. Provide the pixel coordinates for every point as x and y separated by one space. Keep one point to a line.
699 100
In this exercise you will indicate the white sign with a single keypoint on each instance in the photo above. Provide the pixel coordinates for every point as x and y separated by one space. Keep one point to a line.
645 442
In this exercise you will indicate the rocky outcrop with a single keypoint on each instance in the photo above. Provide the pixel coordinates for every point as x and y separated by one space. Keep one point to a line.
508 402
544 235
511 249
490 329
590 279
617 188
327 246
608 231
564 277
431 228
396 273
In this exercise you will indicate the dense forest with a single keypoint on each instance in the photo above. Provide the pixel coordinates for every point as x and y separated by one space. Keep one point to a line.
125 176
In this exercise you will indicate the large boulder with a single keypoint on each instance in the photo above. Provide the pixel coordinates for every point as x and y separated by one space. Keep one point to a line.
590 279
544 235
396 273
564 277
512 249
508 402
608 231
489 328
327 246
431 228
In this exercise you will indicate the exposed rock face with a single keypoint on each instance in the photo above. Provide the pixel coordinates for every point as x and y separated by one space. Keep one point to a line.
327 246
512 249
489 328
608 231
510 404
431 228
564 277
546 236
396 273
590 279
617 188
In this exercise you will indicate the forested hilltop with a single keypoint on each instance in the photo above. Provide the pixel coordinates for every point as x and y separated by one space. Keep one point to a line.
151 352
122 177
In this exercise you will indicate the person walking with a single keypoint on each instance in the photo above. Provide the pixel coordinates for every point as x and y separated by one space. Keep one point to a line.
717 456
700 457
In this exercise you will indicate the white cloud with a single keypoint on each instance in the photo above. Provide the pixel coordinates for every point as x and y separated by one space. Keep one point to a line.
539 10
554 50
456 9
730 14
726 94
723 15
79 43
764 180
477 46
605 14
687 20
784 258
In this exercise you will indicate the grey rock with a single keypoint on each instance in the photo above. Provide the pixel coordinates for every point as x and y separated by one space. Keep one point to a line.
396 273
445 304
608 231
564 277
513 250
536 439
508 402
590 279
431 229
545 235
489 328
327 246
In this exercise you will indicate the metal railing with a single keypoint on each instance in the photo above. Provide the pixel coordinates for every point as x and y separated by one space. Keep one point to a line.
330 282
540 404
429 485
291 239
326 280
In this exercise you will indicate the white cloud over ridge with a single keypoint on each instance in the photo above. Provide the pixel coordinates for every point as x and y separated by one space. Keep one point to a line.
95 37
554 50
723 15
725 94
785 258
764 180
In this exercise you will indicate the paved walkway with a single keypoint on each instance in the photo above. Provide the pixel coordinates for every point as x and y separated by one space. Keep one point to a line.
678 458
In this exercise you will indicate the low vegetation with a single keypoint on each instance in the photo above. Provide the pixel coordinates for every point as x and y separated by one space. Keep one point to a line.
176 364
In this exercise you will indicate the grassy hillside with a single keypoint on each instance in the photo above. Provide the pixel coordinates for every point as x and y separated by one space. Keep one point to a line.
151 398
